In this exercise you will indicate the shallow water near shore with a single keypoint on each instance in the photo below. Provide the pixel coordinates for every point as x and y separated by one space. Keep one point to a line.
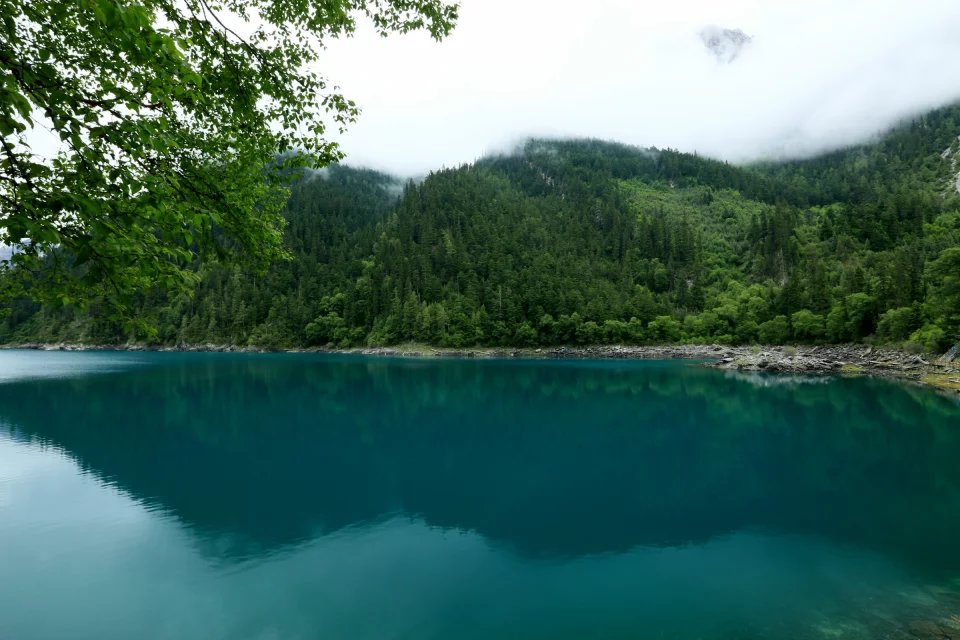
191 495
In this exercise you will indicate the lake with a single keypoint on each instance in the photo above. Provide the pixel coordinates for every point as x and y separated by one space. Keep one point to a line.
269 496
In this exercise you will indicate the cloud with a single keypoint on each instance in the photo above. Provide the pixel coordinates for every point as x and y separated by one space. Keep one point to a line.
818 74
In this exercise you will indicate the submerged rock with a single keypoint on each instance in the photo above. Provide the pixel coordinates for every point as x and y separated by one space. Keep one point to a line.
931 630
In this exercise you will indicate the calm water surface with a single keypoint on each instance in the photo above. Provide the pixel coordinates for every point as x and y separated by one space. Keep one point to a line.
297 496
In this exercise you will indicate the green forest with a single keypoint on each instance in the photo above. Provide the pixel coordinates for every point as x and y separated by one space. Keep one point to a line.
587 242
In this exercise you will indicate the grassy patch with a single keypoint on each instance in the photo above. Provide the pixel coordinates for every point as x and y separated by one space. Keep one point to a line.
851 369
947 381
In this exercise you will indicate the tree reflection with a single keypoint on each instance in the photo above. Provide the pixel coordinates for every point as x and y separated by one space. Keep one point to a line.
548 458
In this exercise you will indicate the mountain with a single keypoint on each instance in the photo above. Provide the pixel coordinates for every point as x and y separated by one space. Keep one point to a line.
586 241
725 44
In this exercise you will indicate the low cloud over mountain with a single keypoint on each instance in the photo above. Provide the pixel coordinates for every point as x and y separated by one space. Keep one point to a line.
805 77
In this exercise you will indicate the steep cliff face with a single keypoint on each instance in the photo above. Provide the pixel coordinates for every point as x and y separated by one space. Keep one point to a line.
725 44
956 169
952 155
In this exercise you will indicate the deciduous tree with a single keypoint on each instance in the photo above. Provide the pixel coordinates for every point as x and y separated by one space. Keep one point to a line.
170 117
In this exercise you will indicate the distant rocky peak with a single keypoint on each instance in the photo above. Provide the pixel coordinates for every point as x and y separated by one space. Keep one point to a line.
726 44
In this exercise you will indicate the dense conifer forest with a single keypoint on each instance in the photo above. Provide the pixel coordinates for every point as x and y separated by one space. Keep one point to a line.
588 242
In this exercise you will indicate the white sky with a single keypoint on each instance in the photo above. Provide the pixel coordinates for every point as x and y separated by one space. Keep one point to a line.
819 74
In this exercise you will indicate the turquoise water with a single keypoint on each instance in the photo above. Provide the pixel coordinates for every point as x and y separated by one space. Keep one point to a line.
310 496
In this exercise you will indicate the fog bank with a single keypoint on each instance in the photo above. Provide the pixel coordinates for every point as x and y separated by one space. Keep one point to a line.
816 75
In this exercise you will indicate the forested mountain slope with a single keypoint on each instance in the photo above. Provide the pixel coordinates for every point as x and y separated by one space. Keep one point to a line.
592 242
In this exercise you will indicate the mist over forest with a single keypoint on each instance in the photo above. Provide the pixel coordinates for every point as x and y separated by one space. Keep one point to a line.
589 242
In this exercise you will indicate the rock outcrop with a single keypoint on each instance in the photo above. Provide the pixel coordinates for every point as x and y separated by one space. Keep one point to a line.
951 155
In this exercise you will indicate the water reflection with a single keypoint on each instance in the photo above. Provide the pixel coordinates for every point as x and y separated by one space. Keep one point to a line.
256 454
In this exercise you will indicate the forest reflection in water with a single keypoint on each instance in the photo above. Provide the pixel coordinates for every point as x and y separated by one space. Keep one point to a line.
560 462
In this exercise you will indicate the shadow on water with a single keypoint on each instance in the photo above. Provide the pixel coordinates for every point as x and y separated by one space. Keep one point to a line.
548 459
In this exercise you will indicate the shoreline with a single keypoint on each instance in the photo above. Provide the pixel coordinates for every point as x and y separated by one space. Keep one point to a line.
849 359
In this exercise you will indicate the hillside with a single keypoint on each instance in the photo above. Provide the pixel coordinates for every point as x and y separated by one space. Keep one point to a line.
582 242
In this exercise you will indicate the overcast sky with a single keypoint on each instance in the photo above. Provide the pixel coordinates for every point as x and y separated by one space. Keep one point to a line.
818 74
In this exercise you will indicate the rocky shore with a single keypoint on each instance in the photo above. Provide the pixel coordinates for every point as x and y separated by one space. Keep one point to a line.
827 359
942 373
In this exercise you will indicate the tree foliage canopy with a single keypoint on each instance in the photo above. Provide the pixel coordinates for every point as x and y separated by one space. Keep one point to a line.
170 116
